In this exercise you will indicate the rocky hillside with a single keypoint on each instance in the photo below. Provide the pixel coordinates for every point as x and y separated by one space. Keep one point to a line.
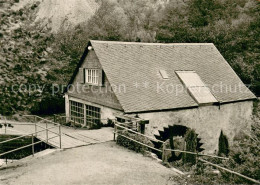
60 14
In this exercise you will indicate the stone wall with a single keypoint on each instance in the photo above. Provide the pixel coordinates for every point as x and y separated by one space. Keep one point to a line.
207 121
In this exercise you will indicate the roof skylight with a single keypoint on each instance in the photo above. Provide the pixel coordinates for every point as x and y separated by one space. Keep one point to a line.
164 74
198 90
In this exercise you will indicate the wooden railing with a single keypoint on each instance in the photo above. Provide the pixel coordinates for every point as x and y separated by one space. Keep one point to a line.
164 149
37 120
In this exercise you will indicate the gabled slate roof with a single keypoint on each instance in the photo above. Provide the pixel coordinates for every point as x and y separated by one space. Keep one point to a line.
136 66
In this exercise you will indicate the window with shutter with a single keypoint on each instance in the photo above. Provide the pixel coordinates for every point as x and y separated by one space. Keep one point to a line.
81 75
91 76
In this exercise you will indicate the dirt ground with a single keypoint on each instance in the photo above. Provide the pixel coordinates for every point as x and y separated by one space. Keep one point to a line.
105 163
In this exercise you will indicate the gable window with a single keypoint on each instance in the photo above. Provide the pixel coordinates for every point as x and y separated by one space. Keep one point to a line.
91 76
196 87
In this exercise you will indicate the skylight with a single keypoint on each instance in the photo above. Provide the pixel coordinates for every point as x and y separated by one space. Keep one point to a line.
199 91
164 74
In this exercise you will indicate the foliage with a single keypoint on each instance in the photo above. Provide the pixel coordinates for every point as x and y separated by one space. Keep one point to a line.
232 26
131 144
97 125
28 60
191 145
110 123
49 105
243 158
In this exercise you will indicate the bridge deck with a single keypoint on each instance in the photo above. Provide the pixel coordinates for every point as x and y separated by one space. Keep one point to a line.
70 137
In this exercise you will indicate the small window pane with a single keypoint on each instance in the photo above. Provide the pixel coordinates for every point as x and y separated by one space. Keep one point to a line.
92 114
77 112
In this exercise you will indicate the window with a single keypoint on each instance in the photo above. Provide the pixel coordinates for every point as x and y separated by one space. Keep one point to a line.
120 120
91 76
164 74
77 112
142 128
92 115
200 92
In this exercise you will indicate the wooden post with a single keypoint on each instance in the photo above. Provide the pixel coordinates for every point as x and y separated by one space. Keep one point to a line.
35 119
115 130
163 152
184 154
60 135
5 125
32 145
35 128
46 132
54 118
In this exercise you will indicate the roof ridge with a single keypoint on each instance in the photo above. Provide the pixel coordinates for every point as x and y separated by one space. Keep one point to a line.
154 44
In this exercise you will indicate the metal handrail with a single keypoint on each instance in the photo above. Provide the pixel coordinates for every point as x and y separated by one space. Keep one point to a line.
194 153
42 119
230 171
164 146
116 124
48 129
26 135
57 134
25 146
140 143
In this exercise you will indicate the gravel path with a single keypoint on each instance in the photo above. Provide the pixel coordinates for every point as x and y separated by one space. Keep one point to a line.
105 163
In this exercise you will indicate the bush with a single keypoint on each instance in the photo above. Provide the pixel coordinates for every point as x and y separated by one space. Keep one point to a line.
223 145
244 155
191 145
97 125
110 123
122 141
48 106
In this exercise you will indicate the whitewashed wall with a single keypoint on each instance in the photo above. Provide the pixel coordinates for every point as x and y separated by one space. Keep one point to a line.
207 121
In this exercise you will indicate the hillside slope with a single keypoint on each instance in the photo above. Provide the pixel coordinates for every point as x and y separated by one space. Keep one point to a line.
60 14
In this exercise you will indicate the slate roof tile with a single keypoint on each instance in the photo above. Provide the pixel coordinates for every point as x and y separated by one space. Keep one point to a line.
128 63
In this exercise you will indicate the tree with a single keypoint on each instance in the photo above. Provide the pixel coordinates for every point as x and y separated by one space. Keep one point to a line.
108 23
223 145
191 145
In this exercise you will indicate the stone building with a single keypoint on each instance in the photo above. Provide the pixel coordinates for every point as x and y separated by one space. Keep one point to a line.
190 84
